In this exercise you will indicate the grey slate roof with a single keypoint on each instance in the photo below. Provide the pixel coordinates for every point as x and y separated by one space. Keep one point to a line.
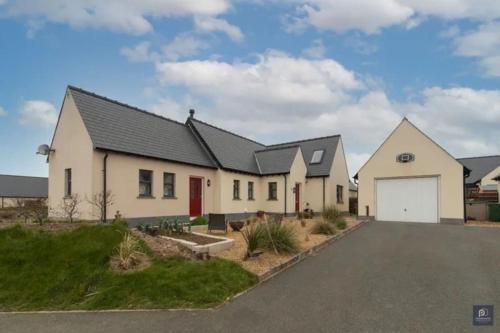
233 151
328 143
119 127
277 160
479 166
23 187
122 128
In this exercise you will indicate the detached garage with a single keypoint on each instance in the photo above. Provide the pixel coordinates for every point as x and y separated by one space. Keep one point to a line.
410 178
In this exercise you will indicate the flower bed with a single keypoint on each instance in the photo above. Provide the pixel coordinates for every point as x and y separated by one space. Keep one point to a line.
267 261
201 243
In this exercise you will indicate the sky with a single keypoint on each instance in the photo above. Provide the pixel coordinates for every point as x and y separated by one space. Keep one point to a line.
271 70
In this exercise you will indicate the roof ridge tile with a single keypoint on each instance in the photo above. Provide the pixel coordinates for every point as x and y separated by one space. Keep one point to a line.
226 131
135 108
304 140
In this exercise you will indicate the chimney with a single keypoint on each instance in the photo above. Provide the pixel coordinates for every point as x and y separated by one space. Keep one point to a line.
191 113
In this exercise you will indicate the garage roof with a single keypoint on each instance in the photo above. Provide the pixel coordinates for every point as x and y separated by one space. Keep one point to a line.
479 166
23 187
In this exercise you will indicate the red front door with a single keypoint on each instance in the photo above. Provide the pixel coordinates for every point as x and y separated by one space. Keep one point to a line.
297 197
194 196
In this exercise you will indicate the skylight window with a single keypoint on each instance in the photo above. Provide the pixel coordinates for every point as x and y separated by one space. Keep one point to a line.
317 156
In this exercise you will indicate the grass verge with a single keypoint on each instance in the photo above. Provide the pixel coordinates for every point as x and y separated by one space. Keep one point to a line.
70 270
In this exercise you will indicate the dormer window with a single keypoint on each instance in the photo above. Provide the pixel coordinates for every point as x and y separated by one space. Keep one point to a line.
317 156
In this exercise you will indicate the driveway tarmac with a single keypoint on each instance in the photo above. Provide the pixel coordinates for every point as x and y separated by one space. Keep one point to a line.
384 277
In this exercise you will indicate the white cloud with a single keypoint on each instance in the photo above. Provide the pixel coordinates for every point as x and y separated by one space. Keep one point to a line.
3 113
482 43
463 120
371 16
38 113
184 45
212 24
279 97
316 50
138 53
356 161
275 82
343 15
132 16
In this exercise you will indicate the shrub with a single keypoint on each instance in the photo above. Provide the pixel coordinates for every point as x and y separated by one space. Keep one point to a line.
128 252
37 210
200 220
331 214
281 238
341 224
69 207
8 213
323 228
254 237
121 222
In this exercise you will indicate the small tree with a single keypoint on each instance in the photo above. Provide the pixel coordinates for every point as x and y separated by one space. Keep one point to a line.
37 210
21 210
69 207
100 202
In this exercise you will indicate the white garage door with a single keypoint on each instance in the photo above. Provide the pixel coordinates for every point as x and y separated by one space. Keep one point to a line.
407 199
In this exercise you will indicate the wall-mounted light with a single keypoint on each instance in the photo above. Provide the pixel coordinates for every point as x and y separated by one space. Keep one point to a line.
208 182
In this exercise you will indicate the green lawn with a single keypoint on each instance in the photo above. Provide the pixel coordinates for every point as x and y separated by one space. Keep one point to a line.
43 271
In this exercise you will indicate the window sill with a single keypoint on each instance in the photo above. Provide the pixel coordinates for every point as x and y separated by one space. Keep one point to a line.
269 199
145 197
236 199
165 197
340 202
251 199
68 197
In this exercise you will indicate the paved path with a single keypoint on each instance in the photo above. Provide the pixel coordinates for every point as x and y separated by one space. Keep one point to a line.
385 277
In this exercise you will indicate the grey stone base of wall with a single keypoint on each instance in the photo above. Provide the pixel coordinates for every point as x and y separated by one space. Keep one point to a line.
452 221
154 220
442 220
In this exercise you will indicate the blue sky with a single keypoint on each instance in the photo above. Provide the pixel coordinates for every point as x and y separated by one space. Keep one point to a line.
272 70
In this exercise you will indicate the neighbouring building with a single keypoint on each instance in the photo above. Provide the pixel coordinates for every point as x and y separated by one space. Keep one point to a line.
353 190
410 178
15 188
497 179
480 185
156 167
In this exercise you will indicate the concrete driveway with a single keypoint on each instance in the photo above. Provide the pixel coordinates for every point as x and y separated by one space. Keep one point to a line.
385 277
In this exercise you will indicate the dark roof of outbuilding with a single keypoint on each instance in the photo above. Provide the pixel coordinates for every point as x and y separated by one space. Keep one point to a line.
276 160
479 166
119 127
328 144
232 151
23 187
352 186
